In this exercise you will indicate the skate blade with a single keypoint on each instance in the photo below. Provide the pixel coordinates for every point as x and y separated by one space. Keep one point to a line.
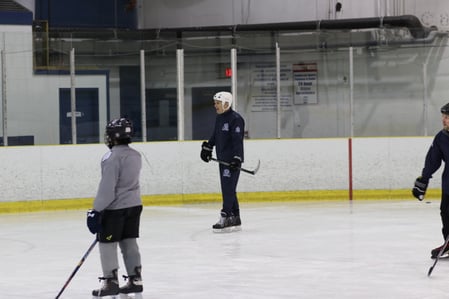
229 229
131 296
107 297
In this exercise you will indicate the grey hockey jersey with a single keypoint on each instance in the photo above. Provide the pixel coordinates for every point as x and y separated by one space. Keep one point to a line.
119 185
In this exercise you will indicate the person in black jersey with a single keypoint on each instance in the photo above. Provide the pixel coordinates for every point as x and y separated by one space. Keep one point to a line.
227 138
437 153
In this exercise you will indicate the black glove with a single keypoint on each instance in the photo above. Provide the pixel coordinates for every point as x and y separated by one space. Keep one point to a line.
94 221
236 163
419 190
206 152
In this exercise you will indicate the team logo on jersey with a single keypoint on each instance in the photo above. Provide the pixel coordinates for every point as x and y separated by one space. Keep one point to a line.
237 129
225 127
226 173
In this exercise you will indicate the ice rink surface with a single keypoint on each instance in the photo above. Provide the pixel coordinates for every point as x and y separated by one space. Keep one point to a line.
363 249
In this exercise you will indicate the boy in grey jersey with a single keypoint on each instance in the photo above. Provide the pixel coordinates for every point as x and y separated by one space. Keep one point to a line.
117 207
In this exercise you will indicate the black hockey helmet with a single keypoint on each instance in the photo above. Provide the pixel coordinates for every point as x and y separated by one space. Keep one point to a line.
118 131
445 109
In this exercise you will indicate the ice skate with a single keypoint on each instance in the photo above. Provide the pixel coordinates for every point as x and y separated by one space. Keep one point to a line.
436 251
109 288
133 287
227 224
237 223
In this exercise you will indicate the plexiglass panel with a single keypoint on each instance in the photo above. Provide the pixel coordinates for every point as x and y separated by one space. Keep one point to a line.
398 83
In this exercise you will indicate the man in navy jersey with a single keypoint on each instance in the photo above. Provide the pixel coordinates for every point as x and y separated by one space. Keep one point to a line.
437 153
227 138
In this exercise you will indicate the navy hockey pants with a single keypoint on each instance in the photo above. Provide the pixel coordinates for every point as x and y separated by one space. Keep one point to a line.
229 179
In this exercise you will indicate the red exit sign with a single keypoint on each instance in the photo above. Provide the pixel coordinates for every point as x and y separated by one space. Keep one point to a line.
228 72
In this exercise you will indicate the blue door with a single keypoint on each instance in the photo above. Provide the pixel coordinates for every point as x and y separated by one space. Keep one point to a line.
87 112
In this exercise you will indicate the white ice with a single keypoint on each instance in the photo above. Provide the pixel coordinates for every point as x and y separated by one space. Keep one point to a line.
363 249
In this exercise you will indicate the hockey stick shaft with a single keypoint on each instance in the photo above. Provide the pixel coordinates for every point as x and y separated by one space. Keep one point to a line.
77 267
253 172
438 256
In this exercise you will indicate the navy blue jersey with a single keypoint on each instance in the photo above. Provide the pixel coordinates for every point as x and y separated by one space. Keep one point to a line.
228 136
438 152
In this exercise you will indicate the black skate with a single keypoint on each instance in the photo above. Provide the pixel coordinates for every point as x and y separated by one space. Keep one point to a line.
133 286
434 253
109 287
237 223
227 224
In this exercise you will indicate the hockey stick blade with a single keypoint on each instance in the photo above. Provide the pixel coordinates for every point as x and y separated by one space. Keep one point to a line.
253 172
257 167
438 257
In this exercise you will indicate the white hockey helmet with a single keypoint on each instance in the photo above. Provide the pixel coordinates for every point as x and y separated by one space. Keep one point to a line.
224 97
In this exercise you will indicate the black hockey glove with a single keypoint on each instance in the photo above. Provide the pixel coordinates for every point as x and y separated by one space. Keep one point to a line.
94 221
236 163
420 187
206 152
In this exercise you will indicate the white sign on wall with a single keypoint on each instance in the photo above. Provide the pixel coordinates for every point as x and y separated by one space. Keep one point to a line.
298 85
264 85
305 83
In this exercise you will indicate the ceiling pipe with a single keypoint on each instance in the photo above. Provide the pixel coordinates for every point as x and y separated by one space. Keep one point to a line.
417 30
414 25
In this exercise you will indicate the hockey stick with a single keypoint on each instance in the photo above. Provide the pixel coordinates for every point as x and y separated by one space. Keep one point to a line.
253 172
146 160
438 256
77 267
